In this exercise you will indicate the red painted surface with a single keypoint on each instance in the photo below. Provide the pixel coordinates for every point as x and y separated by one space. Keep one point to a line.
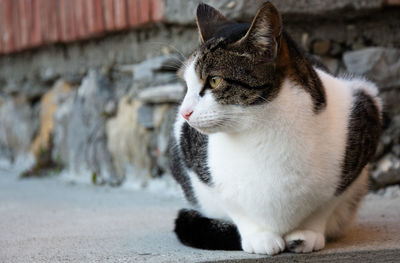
120 14
72 31
8 27
62 19
157 10
25 11
144 10
30 23
133 12
17 25
108 9
1 26
51 21
94 14
90 16
98 16
80 18
35 35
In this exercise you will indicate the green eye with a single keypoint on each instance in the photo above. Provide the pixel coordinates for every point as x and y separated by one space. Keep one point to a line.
214 81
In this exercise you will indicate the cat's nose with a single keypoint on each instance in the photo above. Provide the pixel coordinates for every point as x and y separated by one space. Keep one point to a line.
186 114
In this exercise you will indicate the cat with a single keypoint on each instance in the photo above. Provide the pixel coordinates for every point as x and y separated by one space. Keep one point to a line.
270 149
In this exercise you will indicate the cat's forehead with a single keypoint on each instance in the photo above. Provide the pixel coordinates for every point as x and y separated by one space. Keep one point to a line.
219 57
219 50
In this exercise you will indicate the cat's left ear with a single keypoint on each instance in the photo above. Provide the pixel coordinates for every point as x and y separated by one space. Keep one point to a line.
265 31
209 20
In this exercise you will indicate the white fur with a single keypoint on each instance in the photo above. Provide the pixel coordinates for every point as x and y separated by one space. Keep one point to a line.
263 243
274 167
314 240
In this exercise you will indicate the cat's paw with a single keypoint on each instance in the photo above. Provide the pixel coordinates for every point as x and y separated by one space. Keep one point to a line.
304 241
263 243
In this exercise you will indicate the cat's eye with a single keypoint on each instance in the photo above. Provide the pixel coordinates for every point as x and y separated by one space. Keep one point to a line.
214 81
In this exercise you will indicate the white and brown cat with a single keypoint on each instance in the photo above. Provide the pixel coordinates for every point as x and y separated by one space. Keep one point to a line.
269 148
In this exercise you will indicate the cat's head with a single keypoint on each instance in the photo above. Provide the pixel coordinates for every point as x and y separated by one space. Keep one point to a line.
233 72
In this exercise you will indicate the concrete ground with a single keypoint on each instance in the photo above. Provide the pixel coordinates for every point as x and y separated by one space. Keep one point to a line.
50 220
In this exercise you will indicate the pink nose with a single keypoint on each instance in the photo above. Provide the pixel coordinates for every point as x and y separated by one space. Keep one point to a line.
186 114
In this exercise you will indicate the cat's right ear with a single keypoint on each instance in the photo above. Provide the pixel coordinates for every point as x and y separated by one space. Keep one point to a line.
265 31
208 20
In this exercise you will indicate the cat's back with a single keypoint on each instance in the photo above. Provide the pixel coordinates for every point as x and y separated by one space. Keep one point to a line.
354 115
350 98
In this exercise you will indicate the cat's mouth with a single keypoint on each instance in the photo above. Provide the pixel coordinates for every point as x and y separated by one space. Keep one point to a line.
209 126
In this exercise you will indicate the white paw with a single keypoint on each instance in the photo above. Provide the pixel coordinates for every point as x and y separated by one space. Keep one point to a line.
304 241
263 243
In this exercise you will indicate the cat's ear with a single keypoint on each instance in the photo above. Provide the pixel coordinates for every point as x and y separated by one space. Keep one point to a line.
208 20
265 31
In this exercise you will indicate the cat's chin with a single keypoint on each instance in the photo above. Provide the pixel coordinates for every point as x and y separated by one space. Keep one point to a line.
213 126
211 130
207 129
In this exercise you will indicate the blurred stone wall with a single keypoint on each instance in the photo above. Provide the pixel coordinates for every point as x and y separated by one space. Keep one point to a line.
103 109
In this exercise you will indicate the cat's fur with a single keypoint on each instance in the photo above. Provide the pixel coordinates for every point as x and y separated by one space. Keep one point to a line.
276 156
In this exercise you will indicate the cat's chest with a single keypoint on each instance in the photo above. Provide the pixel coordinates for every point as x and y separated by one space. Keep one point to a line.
237 166
257 175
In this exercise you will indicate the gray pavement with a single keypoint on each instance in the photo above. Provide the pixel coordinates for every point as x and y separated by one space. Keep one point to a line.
50 220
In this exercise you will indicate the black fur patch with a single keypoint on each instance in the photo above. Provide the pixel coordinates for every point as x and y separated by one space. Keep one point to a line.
315 61
292 245
178 171
230 33
194 150
195 230
362 139
302 72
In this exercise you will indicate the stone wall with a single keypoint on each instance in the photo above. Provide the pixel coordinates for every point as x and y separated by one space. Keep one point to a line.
103 108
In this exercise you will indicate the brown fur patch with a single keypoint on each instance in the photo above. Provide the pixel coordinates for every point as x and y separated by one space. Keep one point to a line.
299 70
